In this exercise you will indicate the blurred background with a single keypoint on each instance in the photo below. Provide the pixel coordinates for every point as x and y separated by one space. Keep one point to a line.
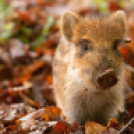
29 34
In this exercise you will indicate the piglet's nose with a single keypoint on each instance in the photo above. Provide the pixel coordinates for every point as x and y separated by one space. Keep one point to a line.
107 79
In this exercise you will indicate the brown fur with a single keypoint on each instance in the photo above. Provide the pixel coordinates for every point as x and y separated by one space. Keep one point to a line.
74 70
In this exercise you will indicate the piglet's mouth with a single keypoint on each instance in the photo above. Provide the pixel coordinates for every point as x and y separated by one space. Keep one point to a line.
107 79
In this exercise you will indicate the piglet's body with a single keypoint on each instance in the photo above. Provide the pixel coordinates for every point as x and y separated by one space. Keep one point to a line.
88 72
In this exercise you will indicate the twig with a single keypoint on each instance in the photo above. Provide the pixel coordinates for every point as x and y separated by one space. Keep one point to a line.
125 127
24 87
37 92
10 57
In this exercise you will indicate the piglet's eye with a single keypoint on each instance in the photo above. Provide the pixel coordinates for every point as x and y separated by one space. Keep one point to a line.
116 43
85 44
84 47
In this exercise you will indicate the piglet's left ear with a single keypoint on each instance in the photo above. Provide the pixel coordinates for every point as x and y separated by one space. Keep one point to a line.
120 17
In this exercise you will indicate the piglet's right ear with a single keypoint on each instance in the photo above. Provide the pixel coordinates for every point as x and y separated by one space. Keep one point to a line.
68 22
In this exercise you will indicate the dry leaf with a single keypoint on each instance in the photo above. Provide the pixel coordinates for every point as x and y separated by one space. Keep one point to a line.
113 123
53 113
93 128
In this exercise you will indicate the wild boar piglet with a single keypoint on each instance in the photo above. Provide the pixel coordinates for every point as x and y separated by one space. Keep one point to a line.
88 71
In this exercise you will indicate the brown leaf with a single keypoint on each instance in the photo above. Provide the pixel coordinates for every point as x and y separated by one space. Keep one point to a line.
127 54
110 131
93 128
52 113
113 123
60 127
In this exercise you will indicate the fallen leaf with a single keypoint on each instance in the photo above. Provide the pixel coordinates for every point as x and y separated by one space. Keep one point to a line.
93 128
113 123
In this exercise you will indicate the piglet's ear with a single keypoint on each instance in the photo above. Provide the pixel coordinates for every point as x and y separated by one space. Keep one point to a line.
120 18
68 22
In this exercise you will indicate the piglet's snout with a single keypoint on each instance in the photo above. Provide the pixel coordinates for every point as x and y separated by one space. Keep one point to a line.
107 79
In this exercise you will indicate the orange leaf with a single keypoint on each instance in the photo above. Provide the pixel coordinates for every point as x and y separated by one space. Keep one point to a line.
11 127
124 51
49 79
76 125
24 78
113 123
60 127
93 128
17 122
52 113
46 117
127 54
